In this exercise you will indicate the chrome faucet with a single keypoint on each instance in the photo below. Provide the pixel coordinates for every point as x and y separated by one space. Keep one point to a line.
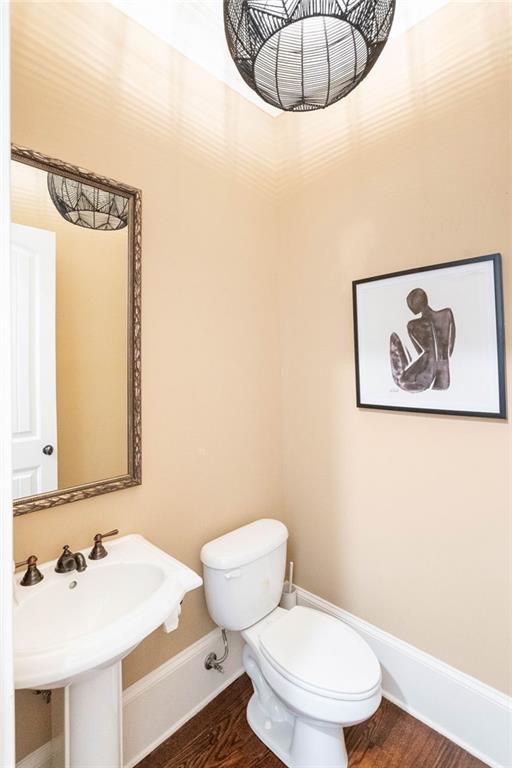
69 561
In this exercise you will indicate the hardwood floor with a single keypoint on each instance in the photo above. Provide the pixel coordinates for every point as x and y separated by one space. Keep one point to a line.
219 737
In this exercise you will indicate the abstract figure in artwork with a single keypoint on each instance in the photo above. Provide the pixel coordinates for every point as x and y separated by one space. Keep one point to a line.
433 337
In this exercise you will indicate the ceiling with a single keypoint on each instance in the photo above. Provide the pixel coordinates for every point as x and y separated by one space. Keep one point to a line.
196 29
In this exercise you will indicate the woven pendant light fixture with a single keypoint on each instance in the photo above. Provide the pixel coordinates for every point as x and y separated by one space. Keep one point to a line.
87 206
300 55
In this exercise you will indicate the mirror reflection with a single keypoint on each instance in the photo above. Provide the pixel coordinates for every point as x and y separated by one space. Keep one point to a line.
69 332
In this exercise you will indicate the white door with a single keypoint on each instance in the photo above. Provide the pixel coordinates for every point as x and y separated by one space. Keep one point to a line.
34 395
7 757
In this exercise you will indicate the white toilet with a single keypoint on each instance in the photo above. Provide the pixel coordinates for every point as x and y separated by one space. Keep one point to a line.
312 674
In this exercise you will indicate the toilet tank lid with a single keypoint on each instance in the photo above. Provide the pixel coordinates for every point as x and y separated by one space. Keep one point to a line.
244 545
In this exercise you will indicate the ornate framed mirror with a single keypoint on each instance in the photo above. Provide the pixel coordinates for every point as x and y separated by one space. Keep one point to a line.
76 327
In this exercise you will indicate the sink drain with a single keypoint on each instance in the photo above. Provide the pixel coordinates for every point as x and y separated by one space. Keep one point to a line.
73 584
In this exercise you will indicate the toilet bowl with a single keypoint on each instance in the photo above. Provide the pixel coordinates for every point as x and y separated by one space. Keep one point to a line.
312 674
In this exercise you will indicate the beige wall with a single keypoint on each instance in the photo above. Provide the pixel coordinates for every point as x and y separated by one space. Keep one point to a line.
91 334
92 88
402 519
411 170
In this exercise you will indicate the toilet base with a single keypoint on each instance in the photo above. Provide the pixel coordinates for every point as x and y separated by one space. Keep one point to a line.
277 736
296 742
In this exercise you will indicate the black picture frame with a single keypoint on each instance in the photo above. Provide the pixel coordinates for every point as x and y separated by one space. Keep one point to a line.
498 309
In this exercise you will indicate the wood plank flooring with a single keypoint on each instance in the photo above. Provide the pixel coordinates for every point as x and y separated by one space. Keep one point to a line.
219 737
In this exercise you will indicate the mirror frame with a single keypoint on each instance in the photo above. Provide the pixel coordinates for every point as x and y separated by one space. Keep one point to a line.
134 425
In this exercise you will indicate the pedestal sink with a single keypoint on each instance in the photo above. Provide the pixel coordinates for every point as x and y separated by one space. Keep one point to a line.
72 630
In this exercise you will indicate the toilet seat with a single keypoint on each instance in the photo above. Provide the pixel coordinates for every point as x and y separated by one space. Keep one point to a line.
321 654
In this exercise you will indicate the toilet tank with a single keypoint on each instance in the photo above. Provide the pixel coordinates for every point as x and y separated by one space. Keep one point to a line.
243 573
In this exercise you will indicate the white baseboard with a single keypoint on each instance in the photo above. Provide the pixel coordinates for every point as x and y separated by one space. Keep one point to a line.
473 715
40 758
156 706
469 713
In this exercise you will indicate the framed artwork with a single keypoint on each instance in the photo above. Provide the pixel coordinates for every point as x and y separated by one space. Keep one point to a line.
432 339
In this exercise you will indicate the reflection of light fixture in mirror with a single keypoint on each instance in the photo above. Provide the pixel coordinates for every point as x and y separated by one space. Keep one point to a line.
300 55
87 206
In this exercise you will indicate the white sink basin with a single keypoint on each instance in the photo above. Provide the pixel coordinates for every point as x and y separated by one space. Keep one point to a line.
71 626
70 623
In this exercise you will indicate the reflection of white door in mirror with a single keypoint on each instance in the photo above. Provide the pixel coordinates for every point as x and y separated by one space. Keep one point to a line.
34 401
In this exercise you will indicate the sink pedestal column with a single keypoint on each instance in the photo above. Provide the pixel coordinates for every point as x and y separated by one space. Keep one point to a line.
92 720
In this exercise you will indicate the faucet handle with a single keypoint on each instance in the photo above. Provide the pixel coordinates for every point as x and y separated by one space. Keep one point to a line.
32 560
33 575
98 551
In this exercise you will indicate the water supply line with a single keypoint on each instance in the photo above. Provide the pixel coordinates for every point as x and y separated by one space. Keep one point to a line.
212 662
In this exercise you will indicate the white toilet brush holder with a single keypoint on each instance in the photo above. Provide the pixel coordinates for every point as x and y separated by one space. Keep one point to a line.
289 599
289 596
